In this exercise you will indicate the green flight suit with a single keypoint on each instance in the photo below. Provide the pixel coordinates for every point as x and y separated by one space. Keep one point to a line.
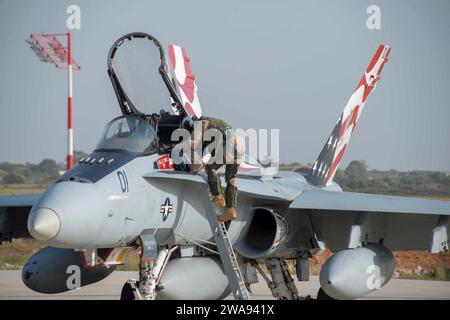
231 169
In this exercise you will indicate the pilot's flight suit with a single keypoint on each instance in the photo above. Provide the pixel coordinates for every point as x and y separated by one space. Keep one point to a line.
234 151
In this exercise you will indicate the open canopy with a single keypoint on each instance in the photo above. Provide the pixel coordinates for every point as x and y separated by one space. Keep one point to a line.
145 82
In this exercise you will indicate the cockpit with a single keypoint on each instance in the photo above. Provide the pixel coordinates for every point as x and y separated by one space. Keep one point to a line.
130 133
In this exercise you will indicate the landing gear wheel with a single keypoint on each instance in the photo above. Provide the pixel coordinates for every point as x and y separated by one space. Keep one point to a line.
322 295
127 292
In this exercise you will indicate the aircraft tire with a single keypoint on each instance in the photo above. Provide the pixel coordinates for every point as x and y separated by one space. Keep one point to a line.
127 292
321 295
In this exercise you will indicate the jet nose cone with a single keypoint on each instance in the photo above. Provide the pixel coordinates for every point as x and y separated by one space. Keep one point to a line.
43 224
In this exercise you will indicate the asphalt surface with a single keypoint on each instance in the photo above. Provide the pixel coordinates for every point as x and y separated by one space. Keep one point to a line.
12 287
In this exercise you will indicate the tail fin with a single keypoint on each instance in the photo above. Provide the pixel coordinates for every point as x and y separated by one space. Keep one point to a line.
330 157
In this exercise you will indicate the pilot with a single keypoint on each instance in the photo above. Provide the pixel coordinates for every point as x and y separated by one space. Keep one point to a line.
233 152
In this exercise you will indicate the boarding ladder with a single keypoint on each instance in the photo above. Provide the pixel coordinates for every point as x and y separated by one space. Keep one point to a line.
227 255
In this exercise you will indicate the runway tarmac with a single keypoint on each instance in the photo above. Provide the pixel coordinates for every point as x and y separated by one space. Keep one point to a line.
12 287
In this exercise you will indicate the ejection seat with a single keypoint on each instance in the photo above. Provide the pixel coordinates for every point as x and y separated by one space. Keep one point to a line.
165 124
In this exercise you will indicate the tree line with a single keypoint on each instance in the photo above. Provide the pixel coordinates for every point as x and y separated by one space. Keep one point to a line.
46 171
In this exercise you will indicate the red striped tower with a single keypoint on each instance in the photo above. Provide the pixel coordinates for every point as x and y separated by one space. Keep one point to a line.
69 107
50 49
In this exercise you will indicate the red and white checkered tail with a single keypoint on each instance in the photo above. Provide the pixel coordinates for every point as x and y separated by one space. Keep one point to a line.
327 163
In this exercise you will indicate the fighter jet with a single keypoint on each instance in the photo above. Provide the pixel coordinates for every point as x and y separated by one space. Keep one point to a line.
128 195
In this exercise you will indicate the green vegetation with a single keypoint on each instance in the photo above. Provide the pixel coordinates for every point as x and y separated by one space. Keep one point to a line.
45 172
14 255
7 189
439 273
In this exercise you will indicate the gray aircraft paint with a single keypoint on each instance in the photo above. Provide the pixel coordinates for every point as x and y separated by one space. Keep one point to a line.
353 273
187 273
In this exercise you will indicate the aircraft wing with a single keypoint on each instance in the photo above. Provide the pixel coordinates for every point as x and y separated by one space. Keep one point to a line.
330 200
345 219
257 188
14 212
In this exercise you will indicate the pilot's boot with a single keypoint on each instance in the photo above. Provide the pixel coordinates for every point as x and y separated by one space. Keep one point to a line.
230 199
218 201
227 215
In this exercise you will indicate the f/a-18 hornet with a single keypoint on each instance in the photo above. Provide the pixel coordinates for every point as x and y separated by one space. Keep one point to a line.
127 195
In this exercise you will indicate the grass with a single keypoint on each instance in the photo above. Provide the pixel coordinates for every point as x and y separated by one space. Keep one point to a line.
9 189
14 255
440 273
446 198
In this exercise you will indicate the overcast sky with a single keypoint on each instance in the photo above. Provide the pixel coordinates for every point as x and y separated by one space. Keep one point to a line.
263 64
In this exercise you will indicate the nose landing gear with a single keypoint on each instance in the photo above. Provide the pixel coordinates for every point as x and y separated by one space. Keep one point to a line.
151 267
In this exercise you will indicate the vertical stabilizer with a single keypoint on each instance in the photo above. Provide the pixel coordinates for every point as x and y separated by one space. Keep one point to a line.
328 161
